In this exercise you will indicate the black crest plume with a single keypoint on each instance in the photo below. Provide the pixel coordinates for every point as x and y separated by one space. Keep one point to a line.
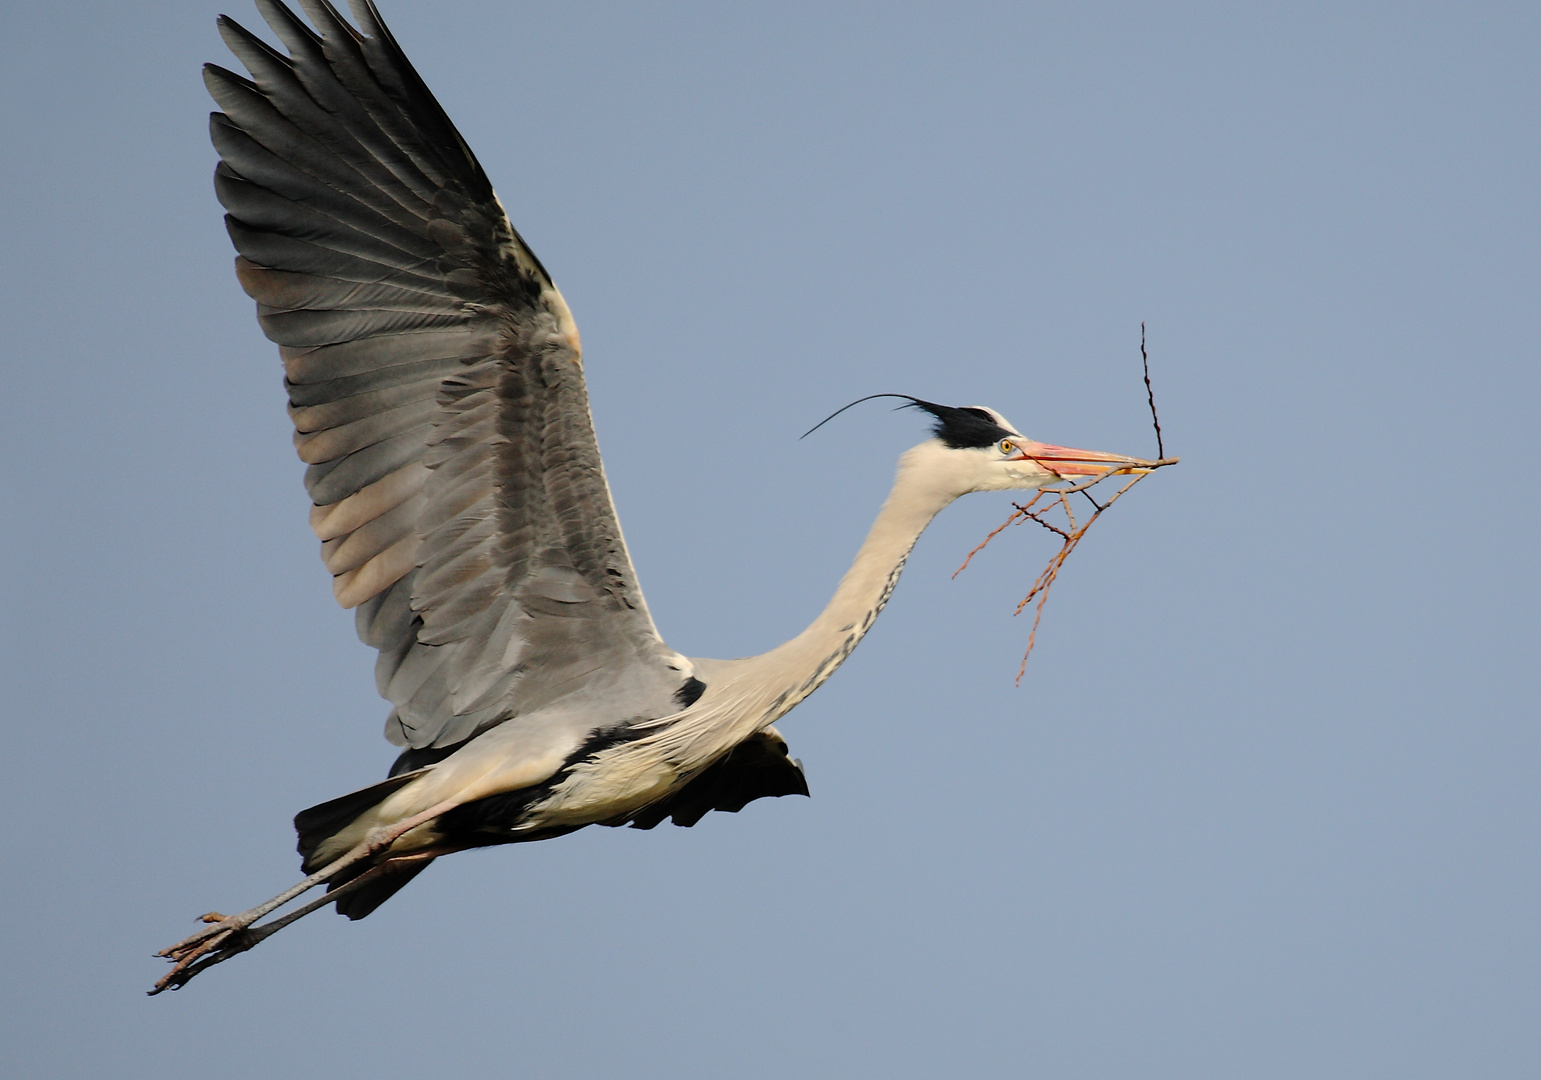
959 428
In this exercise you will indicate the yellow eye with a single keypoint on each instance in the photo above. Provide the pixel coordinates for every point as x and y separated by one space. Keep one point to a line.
1006 446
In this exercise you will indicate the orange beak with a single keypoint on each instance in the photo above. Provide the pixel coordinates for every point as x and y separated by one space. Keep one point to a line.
1064 461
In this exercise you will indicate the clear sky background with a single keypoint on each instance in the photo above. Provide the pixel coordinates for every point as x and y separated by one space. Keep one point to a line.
1265 804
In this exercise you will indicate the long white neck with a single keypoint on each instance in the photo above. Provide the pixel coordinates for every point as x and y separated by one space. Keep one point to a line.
799 666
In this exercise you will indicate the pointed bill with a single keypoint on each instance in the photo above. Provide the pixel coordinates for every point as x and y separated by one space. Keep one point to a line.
1067 461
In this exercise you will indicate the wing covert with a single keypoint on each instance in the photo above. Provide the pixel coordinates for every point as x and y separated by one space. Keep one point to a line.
436 387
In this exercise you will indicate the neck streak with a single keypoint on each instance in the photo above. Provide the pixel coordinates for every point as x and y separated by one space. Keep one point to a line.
803 663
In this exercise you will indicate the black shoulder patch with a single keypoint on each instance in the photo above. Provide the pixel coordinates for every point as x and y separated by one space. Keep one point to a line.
690 692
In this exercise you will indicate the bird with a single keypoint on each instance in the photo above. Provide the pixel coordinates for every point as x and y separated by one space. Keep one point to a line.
436 386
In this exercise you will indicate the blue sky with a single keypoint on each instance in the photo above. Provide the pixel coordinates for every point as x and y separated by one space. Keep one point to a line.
1265 804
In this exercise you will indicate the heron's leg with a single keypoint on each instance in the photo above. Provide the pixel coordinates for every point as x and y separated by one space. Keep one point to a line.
217 935
236 942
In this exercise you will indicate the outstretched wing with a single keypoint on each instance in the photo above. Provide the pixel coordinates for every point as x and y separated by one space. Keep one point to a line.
436 389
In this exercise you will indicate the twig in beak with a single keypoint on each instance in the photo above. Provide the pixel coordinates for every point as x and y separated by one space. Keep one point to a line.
1073 531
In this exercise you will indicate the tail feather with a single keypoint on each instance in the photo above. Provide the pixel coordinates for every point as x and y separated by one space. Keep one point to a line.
319 823
363 900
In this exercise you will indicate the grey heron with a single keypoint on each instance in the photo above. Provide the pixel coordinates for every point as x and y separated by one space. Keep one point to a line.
438 400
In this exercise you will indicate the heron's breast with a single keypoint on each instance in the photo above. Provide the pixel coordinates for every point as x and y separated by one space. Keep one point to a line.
613 784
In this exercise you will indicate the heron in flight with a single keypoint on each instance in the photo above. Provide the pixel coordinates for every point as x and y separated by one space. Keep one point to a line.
437 391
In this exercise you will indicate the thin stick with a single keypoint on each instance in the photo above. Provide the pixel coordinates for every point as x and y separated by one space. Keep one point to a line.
1047 524
1012 520
1050 573
1135 465
1022 511
1150 395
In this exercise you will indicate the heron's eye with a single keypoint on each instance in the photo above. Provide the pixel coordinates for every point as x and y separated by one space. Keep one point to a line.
1006 446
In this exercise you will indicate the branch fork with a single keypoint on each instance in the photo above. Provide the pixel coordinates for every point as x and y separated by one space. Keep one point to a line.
1069 530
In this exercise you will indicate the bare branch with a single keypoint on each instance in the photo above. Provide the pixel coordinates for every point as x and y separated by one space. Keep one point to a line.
1150 395
1012 520
1072 531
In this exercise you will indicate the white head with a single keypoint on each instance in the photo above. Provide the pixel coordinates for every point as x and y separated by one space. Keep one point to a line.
975 448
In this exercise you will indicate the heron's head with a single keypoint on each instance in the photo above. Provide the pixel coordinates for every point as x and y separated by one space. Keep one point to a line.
977 449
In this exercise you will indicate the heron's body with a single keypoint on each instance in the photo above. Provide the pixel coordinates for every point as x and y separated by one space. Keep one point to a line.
438 396
628 763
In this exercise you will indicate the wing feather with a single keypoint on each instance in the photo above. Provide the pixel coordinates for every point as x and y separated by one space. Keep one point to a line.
436 390
368 503
353 407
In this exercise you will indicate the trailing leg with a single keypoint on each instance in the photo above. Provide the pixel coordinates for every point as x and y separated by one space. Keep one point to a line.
224 937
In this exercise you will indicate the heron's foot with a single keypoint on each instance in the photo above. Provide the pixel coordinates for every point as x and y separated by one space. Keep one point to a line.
226 938
223 937
219 926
